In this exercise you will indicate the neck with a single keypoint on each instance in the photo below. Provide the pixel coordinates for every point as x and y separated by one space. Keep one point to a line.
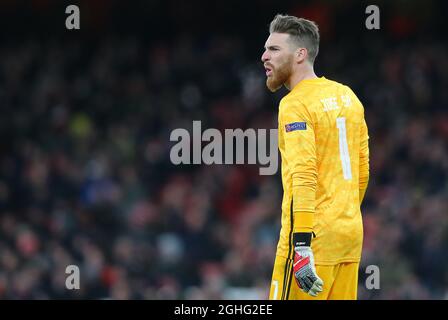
298 75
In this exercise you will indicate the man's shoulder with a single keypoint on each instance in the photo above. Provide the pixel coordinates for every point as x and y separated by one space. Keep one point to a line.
314 88
321 90
291 101
341 87
337 85
318 96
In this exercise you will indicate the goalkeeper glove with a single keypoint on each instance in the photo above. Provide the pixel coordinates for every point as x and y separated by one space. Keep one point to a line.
304 269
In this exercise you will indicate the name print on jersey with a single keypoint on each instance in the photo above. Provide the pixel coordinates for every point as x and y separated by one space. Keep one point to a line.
331 103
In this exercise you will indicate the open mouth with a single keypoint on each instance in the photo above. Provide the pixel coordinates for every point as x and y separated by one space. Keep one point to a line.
268 71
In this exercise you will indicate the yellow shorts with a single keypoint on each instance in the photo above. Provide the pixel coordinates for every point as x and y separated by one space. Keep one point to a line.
340 282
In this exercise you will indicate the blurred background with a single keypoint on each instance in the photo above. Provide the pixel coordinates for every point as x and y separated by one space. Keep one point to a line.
85 172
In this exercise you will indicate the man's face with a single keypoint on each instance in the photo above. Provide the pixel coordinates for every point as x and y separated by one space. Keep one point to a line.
277 59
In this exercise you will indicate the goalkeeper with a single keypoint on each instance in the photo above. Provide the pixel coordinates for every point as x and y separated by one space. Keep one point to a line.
323 141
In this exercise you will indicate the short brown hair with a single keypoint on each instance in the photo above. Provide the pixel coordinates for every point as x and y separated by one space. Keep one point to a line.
302 32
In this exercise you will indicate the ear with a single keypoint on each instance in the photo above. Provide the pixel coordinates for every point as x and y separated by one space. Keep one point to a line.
301 54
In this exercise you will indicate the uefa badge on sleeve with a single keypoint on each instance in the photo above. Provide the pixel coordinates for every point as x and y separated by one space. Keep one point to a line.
295 126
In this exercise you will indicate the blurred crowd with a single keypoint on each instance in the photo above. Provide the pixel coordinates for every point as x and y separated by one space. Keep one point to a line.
86 177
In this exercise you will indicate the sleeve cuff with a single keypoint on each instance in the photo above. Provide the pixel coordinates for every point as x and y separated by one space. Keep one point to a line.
303 222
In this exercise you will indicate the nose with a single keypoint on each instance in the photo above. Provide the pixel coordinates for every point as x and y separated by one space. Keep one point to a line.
265 56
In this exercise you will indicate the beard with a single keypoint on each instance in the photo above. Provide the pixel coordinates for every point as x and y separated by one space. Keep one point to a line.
279 76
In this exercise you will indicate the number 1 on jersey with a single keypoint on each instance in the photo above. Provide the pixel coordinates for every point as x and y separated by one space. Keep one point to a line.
343 149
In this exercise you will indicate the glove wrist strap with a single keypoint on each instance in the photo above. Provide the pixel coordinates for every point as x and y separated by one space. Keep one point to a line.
302 239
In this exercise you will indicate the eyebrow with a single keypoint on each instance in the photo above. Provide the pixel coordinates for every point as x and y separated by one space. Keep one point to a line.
272 47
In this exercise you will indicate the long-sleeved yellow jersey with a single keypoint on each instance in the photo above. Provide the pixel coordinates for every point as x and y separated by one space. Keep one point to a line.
323 141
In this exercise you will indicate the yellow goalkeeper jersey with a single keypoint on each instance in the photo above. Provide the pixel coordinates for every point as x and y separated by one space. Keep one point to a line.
323 141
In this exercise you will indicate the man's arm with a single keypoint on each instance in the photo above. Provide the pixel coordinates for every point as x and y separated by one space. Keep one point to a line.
300 154
363 161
